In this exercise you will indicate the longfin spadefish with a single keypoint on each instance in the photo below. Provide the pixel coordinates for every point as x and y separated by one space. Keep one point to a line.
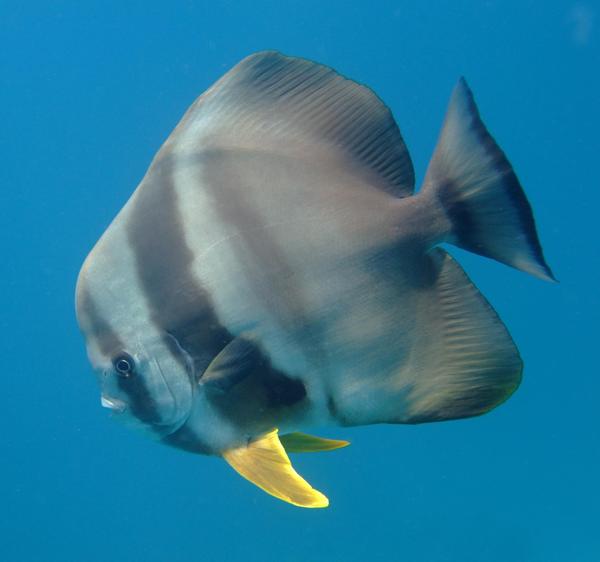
265 463
303 443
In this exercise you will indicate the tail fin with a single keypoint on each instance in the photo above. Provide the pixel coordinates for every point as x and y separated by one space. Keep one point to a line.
480 193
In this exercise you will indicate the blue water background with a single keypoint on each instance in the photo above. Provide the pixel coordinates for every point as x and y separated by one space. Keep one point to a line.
89 91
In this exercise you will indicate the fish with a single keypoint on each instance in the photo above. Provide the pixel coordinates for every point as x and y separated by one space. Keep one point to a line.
275 271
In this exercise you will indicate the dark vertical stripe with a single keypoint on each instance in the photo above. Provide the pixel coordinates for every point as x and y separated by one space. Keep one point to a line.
179 306
230 177
94 324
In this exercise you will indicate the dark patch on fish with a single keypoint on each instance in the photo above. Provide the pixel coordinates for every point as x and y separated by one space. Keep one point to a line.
282 390
255 390
332 408
464 228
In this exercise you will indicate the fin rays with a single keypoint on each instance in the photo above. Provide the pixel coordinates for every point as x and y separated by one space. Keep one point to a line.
265 463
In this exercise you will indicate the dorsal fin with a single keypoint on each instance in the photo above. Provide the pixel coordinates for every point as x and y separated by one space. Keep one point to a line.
273 103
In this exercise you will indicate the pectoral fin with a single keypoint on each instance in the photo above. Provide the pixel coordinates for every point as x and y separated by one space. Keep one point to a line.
303 443
265 463
236 361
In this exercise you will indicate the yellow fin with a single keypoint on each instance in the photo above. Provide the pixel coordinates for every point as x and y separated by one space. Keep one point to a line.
265 463
303 443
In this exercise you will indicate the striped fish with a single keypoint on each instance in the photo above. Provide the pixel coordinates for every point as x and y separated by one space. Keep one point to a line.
275 270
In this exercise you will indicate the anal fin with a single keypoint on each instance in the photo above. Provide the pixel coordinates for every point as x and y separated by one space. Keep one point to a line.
265 463
468 362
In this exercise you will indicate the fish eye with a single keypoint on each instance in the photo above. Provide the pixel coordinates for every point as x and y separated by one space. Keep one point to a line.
124 364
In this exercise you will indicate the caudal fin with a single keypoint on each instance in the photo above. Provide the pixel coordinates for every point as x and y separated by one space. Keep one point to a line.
480 193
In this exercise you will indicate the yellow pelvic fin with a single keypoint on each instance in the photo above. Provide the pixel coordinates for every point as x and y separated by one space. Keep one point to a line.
265 463
303 443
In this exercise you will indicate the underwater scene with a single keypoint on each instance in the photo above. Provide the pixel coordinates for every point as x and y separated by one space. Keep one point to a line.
300 281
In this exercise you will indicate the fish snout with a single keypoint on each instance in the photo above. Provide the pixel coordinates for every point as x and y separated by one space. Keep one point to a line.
113 404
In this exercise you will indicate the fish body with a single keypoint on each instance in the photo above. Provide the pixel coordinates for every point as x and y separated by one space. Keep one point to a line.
275 270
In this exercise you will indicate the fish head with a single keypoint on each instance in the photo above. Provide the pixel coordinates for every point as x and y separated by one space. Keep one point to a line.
143 382
143 387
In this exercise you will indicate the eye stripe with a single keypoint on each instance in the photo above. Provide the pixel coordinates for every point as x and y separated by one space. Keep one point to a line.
139 400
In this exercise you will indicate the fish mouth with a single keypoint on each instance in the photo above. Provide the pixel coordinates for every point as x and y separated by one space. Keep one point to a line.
113 404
